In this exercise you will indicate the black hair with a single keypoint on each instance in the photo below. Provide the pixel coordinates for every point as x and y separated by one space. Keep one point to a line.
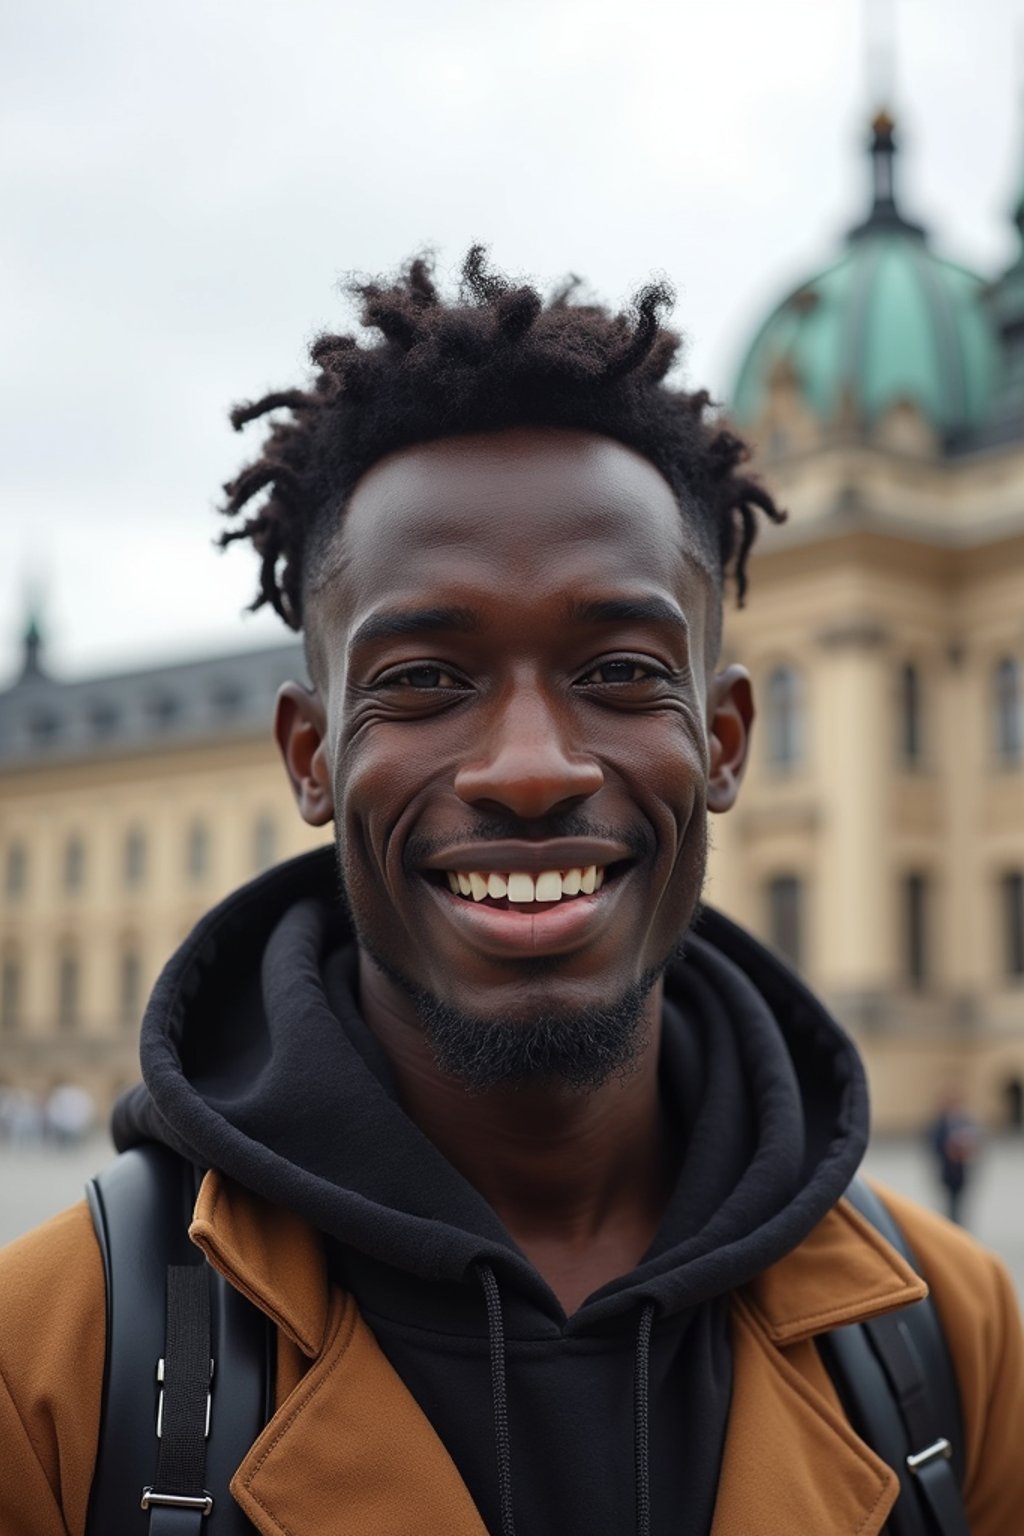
496 355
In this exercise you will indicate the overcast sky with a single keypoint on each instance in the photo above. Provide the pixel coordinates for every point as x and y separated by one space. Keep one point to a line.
183 185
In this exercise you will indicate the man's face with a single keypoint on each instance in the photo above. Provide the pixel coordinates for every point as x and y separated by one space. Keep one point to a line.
512 674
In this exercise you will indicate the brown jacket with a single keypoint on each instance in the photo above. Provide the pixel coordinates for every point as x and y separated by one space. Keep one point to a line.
348 1450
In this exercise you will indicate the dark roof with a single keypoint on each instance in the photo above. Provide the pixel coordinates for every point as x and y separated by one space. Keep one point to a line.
216 697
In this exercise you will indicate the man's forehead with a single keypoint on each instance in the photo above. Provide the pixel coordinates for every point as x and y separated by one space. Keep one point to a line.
537 501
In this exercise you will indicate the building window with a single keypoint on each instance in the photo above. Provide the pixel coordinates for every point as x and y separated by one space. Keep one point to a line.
911 734
197 851
67 990
10 994
1013 924
785 916
1009 711
130 987
915 930
135 857
264 843
163 709
74 864
785 725
16 871
103 719
227 700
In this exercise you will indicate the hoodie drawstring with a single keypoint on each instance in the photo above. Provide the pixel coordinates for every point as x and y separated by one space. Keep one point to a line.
496 1336
642 1421
502 1439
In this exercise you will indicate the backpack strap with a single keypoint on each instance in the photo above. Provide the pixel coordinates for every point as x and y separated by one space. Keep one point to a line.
189 1361
896 1382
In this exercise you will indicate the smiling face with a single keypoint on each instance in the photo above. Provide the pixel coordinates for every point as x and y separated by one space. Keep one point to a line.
514 727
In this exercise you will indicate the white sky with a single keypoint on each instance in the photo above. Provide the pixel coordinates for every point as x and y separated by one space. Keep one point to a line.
182 186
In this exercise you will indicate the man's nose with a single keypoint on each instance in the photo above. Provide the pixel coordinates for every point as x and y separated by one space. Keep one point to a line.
527 763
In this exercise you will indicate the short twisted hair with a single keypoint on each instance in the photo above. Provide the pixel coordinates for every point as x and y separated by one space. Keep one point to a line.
496 355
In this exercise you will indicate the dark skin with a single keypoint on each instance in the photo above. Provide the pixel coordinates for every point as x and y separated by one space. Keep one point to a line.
553 657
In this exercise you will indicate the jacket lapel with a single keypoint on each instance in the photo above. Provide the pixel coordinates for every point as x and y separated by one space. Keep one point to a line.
350 1453
791 1461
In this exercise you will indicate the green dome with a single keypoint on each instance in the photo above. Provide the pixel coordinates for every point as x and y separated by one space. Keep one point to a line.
888 321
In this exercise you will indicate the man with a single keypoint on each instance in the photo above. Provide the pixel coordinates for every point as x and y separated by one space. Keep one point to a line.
537 1169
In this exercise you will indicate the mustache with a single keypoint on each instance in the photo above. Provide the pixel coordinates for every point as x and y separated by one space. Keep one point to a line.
495 829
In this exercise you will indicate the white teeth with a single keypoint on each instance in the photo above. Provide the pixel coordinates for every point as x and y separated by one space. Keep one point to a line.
522 887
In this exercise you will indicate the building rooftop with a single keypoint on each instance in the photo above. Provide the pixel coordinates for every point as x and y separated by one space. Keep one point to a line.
45 719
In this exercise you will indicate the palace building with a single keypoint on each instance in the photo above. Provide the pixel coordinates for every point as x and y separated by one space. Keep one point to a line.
879 839
128 806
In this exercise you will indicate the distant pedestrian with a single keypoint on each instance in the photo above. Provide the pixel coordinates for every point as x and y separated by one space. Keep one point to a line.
956 1140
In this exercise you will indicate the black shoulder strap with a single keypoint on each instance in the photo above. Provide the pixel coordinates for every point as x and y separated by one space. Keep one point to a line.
181 1343
896 1382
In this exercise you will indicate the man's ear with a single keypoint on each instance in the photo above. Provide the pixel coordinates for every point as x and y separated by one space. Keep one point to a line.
730 717
300 728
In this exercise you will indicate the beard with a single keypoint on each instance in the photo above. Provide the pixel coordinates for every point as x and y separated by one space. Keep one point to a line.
576 1048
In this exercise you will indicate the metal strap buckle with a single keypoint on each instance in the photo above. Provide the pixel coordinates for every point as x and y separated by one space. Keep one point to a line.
941 1448
203 1502
160 1401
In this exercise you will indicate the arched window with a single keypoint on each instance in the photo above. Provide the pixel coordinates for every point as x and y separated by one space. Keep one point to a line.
785 717
134 856
785 916
264 842
1008 710
10 993
74 863
197 851
130 986
16 871
68 987
911 723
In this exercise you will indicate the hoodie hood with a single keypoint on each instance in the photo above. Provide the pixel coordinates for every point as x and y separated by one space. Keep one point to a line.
255 1060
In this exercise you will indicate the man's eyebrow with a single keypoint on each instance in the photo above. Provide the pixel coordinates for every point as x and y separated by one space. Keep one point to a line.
626 610
393 623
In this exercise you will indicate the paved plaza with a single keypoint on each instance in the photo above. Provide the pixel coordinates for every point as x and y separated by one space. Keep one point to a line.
36 1182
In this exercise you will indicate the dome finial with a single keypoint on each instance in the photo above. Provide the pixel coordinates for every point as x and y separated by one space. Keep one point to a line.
884 213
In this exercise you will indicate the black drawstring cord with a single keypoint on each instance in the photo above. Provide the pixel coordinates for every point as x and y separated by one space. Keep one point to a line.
496 1333
642 1421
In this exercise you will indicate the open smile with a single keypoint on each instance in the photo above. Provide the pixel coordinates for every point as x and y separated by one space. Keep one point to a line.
516 912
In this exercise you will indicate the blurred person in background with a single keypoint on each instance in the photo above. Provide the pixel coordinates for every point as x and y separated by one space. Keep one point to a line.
535 1165
955 1139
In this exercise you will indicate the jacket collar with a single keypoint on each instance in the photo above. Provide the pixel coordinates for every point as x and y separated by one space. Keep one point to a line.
791 1460
843 1272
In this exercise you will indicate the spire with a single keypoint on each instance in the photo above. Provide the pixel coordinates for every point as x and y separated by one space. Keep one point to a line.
884 213
32 649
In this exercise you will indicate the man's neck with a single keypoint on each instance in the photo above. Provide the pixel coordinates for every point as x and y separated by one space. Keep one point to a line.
580 1178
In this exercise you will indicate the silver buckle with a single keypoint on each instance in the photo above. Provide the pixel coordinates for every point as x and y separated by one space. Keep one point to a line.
160 1402
941 1448
150 1498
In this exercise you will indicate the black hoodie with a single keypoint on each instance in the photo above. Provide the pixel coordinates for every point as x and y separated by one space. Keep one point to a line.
256 1061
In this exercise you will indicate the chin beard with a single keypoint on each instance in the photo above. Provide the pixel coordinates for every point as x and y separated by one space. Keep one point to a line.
580 1049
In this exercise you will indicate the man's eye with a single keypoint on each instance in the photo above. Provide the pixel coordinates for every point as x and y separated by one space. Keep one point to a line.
623 670
424 675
